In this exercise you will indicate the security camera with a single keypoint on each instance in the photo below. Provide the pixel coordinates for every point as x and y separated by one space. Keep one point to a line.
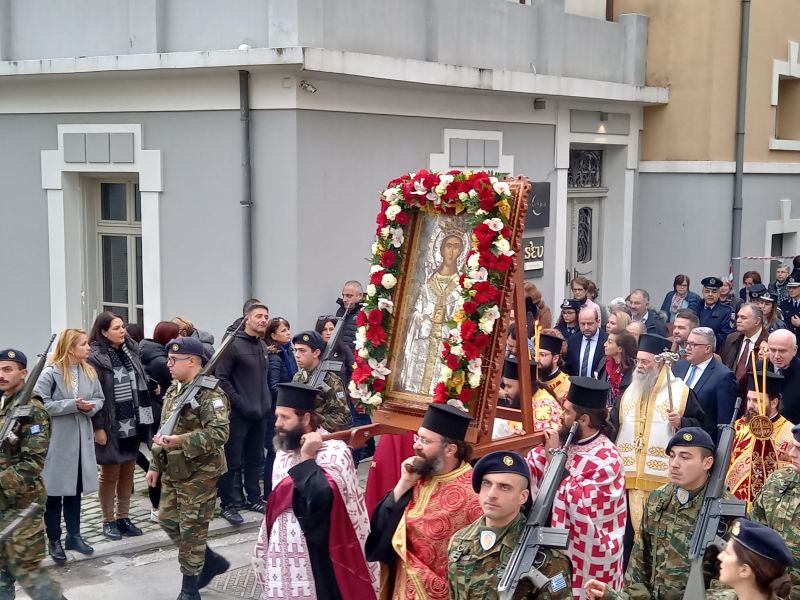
309 87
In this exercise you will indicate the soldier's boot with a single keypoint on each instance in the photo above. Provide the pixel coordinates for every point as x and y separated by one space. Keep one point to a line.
189 588
214 564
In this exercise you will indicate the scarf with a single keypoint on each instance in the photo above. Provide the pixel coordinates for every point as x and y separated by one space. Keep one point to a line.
131 399
677 302
288 359
614 371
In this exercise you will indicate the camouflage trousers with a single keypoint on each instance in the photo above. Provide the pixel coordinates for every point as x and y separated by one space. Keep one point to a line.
185 511
21 560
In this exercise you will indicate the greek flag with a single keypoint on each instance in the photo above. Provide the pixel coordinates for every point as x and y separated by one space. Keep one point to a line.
558 583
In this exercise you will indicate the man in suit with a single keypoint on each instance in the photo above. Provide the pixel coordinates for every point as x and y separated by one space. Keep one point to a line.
749 334
585 351
639 305
790 308
712 382
782 354
713 313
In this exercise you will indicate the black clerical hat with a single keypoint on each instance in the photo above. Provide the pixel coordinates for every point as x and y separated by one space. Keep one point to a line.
774 382
446 420
654 344
296 395
550 343
587 392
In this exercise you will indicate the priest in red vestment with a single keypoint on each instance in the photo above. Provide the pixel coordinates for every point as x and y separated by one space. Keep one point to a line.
590 501
412 526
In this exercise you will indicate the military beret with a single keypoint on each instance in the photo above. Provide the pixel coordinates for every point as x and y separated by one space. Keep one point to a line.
793 282
691 436
588 392
654 344
447 420
712 282
571 304
774 381
762 540
14 355
550 343
499 462
296 395
186 345
309 338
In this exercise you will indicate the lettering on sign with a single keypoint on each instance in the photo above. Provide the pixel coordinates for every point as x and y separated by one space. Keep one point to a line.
533 255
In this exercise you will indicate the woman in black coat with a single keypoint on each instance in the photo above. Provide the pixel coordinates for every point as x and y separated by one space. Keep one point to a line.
124 421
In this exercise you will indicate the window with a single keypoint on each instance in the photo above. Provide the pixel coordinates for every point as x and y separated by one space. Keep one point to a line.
585 168
119 239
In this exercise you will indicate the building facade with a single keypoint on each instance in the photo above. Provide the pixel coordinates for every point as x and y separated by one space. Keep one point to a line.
123 141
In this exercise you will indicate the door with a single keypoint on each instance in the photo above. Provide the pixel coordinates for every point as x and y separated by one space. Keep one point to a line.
584 240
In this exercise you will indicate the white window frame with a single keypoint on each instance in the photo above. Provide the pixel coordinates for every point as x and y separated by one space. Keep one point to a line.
441 162
784 69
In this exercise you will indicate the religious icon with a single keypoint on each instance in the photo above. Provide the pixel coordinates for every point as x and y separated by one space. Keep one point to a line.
434 288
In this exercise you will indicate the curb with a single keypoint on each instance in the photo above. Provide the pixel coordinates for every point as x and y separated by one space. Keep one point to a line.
155 539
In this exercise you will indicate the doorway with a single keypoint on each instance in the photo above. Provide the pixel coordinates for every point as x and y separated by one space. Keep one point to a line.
583 237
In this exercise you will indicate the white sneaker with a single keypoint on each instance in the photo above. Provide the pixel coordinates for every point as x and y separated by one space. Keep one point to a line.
154 515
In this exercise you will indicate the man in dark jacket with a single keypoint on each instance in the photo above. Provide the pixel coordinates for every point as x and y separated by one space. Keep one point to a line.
242 373
783 360
639 304
351 300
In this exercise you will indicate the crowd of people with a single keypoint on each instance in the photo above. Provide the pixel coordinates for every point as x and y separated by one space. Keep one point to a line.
646 393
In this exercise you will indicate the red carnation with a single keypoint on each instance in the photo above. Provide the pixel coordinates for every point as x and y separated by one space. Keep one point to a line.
487 259
408 187
445 348
468 329
388 259
361 318
502 263
484 235
471 351
376 277
402 218
440 393
470 307
485 292
481 341
486 198
453 362
376 334
379 384
466 395
375 316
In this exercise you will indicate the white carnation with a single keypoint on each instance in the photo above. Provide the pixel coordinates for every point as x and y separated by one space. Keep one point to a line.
501 188
375 269
363 352
474 379
391 195
494 224
375 248
485 325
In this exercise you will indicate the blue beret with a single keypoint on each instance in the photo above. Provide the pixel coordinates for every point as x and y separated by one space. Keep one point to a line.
15 355
186 345
499 462
691 436
310 338
762 540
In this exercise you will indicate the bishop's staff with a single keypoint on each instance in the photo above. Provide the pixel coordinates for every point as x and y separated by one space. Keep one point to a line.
668 359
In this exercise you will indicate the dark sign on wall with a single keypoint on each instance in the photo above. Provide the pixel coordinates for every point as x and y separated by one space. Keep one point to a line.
533 256
538 215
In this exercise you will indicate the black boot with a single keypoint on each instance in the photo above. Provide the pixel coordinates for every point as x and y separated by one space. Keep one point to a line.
127 528
189 588
77 543
215 564
56 551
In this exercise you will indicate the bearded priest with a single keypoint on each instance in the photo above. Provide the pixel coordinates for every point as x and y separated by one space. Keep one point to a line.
311 543
413 524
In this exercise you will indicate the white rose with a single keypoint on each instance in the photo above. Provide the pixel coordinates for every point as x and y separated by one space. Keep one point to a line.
485 325
502 244
501 188
446 373
375 248
371 290
467 283
386 232
393 211
361 334
474 379
494 224
462 196
473 262
388 281
374 400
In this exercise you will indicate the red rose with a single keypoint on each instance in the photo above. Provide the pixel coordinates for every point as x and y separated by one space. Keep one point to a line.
376 277
466 395
468 329
388 259
375 317
470 307
379 384
402 218
453 362
361 318
440 393
376 334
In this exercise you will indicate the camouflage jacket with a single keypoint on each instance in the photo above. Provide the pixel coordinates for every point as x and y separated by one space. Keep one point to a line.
203 429
778 505
474 573
659 567
332 405
21 463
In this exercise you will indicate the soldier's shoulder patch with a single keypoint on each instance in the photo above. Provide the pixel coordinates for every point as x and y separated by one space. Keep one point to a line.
218 403
340 395
35 429
558 583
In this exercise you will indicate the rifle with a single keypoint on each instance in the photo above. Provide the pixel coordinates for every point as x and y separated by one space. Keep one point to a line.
327 362
716 510
29 512
204 380
537 534
13 426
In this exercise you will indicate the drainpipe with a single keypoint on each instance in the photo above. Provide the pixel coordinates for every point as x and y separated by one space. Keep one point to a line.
247 188
741 96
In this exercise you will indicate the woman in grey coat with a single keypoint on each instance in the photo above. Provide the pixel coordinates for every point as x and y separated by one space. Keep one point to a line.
71 393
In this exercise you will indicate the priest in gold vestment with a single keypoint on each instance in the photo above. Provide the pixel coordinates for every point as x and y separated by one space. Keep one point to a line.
762 439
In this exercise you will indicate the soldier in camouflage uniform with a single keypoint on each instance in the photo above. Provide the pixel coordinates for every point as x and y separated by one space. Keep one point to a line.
21 484
659 565
478 553
332 404
190 462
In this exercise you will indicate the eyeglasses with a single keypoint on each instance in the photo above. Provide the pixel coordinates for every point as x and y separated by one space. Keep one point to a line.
643 362
690 345
418 439
172 359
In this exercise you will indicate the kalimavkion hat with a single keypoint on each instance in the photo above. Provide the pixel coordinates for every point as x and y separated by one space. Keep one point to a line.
186 345
692 437
503 461
550 343
654 344
14 355
296 395
446 420
511 368
587 392
762 540
774 382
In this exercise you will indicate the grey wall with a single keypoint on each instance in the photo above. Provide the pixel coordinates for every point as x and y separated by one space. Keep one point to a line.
682 224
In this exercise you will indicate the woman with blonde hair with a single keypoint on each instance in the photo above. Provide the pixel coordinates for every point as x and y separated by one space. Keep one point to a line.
618 320
71 393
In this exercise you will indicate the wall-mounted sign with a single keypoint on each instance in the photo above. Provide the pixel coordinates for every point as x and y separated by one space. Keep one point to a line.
533 256
538 215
